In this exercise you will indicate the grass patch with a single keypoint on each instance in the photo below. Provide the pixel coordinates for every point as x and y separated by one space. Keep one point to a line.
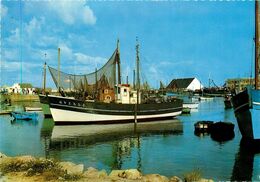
49 169
194 175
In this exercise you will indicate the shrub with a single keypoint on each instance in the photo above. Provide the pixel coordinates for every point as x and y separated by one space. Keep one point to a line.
194 175
50 170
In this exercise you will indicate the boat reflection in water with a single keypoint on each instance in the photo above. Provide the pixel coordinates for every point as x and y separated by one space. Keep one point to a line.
77 136
244 168
118 141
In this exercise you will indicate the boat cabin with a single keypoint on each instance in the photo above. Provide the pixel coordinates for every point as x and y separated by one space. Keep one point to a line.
126 95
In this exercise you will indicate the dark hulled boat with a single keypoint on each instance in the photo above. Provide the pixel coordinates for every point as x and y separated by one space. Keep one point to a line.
71 111
246 104
113 102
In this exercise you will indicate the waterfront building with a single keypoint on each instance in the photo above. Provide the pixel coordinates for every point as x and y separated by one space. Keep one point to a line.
239 83
24 88
184 84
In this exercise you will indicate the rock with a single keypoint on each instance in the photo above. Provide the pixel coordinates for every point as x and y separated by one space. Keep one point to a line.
115 174
3 158
154 178
175 179
133 174
102 174
205 180
95 175
61 179
72 168
91 173
2 155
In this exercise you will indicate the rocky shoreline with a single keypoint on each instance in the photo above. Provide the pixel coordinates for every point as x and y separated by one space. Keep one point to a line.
28 169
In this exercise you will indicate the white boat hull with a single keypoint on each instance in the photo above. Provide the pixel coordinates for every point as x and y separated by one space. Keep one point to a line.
60 115
191 105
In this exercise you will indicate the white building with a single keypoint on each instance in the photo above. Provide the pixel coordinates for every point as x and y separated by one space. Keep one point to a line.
185 84
16 89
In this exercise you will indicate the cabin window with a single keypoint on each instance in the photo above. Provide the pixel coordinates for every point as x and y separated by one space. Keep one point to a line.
125 90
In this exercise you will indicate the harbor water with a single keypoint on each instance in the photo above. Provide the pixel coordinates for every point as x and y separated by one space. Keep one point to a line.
167 147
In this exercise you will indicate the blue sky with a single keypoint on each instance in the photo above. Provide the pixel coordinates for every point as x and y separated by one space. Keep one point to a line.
177 39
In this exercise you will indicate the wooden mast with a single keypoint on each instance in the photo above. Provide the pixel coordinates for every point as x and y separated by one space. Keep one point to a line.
137 68
118 63
137 79
256 46
59 69
44 77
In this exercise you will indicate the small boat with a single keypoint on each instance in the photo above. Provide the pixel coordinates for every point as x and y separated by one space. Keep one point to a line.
4 112
192 105
222 131
204 98
203 126
222 127
227 102
195 99
24 115
186 110
33 109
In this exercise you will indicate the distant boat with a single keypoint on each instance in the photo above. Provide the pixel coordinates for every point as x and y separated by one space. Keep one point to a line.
204 98
33 109
24 115
247 103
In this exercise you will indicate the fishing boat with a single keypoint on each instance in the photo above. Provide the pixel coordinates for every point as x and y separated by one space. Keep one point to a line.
113 101
246 104
24 115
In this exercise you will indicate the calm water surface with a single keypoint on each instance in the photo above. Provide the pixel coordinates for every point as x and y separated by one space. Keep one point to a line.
168 147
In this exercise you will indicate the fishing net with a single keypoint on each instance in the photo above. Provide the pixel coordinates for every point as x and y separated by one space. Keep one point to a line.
90 83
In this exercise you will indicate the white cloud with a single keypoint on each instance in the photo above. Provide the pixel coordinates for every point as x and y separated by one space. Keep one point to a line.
14 66
33 27
85 59
14 38
71 12
4 10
